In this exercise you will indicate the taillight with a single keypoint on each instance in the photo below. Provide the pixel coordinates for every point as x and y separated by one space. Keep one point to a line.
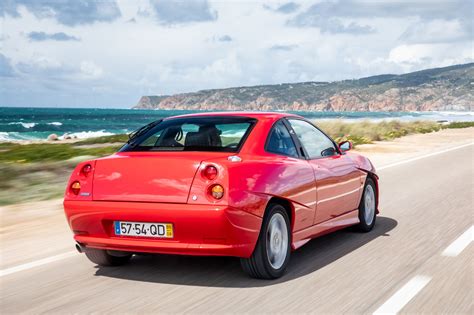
216 191
86 169
210 172
75 187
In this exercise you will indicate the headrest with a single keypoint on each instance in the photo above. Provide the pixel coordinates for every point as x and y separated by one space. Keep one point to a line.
200 139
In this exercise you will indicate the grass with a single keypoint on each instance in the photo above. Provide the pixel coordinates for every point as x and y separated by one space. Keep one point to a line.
34 181
46 152
459 124
105 139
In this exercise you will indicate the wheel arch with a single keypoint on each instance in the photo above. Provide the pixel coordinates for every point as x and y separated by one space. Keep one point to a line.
375 179
285 203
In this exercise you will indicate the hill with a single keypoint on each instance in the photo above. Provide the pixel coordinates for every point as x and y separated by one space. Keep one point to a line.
439 89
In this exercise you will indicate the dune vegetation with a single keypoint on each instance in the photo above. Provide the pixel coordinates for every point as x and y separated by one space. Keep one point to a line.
367 132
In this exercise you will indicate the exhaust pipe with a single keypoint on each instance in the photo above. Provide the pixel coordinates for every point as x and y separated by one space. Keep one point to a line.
80 248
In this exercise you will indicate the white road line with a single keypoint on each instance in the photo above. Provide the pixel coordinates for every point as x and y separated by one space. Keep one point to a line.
397 301
424 156
460 243
36 263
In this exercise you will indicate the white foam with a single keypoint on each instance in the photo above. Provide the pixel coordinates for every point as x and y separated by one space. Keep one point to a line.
4 136
448 113
232 133
55 123
88 134
25 125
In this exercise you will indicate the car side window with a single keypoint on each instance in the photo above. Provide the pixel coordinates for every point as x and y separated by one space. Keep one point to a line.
280 142
316 143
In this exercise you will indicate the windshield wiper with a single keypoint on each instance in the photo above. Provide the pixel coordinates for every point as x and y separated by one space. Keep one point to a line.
140 131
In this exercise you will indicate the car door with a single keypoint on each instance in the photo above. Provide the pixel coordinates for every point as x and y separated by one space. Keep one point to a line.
292 177
337 179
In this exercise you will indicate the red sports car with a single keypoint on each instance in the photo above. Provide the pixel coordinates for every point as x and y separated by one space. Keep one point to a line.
250 185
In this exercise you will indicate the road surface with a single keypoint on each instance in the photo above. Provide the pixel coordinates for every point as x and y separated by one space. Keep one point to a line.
419 258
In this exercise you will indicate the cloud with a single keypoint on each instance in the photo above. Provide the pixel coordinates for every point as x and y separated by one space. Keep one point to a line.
430 55
181 12
329 15
332 25
225 38
44 67
286 8
90 69
450 9
428 10
67 12
245 44
42 36
8 7
6 70
283 47
436 31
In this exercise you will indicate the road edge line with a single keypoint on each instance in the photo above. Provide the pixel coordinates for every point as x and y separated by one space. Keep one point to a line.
460 243
424 156
404 295
36 263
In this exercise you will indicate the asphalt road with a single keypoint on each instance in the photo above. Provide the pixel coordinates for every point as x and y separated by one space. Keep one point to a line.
402 265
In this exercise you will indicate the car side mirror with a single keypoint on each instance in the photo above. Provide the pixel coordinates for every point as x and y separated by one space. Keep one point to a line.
345 146
329 152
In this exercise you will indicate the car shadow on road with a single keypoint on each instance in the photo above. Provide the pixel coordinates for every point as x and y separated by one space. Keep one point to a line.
226 271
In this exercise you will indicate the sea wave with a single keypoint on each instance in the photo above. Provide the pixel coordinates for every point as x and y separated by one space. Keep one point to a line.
28 136
25 125
449 113
232 133
4 136
16 136
87 134
55 123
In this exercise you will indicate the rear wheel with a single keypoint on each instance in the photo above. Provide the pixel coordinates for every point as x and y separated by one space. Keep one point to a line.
367 207
272 252
104 258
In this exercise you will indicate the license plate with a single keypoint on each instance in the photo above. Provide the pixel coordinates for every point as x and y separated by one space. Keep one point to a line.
162 230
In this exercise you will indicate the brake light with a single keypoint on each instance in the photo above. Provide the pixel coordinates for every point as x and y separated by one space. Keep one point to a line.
75 187
217 191
210 172
86 169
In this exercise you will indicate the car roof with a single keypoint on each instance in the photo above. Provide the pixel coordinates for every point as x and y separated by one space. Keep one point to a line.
250 114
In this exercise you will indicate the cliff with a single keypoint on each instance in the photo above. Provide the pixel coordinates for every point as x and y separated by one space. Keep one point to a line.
440 89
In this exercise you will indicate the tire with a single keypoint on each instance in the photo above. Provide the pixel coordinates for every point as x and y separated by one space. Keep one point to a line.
269 260
368 207
103 258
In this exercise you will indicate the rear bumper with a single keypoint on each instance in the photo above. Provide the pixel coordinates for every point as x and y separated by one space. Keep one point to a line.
204 230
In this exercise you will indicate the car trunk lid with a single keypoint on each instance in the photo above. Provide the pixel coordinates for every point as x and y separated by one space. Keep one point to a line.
146 176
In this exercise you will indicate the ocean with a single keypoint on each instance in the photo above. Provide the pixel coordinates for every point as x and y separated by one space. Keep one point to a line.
38 123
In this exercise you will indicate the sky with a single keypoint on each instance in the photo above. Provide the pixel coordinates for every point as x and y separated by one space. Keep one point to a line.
77 53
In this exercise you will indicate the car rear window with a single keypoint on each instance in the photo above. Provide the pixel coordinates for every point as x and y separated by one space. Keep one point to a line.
212 133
